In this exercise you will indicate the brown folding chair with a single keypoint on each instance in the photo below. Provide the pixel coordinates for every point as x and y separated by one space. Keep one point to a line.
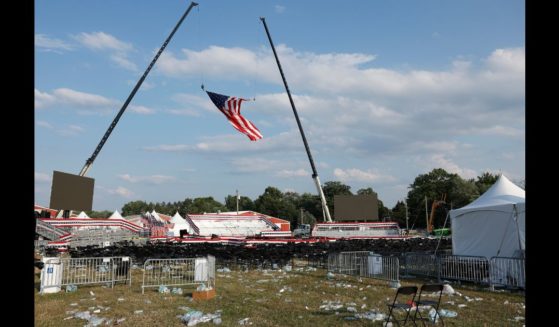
429 288
405 305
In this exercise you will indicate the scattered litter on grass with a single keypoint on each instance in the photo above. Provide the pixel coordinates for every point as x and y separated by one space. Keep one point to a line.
71 288
245 321
138 312
164 289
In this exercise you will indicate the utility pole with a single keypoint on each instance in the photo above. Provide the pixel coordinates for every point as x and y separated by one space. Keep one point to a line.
426 214
407 218
237 197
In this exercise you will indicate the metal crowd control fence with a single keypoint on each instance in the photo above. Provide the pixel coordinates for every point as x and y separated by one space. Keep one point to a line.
365 264
421 264
508 272
348 263
381 267
179 272
465 268
59 272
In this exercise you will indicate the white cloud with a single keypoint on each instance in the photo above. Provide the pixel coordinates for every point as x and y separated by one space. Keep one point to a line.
122 191
44 124
508 61
46 43
43 99
354 174
142 110
153 179
42 177
70 130
82 99
279 9
105 42
292 173
83 102
121 60
439 160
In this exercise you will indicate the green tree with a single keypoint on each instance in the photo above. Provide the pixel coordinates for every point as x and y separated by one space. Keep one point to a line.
485 181
311 205
366 191
206 204
134 208
99 214
383 212
433 186
274 203
245 203
399 213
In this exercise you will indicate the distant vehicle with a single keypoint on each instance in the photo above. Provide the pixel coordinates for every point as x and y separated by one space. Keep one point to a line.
304 230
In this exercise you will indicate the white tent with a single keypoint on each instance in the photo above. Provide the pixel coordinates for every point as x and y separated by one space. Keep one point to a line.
492 225
83 215
156 216
180 223
116 215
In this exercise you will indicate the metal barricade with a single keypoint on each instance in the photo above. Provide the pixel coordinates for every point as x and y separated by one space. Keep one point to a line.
508 272
84 271
381 267
348 263
364 264
421 264
464 268
179 272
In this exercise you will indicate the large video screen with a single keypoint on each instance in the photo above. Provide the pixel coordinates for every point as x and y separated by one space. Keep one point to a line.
356 207
71 192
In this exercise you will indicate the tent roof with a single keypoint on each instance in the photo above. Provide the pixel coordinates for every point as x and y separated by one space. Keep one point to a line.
116 215
502 192
83 215
177 219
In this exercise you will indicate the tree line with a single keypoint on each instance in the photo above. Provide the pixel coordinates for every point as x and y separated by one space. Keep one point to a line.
295 207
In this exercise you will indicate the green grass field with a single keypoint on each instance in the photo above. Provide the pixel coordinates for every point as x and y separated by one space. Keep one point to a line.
268 298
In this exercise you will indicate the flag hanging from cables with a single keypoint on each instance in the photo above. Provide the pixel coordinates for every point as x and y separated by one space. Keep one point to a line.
231 108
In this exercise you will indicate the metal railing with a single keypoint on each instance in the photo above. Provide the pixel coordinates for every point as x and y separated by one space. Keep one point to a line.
48 231
365 264
464 268
508 272
58 272
421 264
179 272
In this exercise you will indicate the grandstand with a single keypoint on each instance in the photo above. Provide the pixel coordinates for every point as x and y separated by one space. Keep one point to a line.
231 224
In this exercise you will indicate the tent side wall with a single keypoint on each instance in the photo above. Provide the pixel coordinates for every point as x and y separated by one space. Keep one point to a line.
482 231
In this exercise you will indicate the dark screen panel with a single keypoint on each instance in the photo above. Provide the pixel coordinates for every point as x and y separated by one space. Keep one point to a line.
356 207
71 192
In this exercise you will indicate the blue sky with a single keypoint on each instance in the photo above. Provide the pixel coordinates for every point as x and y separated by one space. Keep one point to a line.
386 90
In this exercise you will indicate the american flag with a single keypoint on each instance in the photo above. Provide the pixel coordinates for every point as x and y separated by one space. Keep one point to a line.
231 108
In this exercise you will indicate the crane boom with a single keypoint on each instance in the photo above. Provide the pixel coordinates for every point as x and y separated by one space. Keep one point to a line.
325 210
90 160
434 206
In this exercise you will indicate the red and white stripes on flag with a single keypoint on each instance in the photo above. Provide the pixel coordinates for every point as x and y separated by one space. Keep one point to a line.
231 108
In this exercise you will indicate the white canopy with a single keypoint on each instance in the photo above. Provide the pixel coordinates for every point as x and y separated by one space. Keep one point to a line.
156 216
177 219
116 215
180 223
492 225
83 215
